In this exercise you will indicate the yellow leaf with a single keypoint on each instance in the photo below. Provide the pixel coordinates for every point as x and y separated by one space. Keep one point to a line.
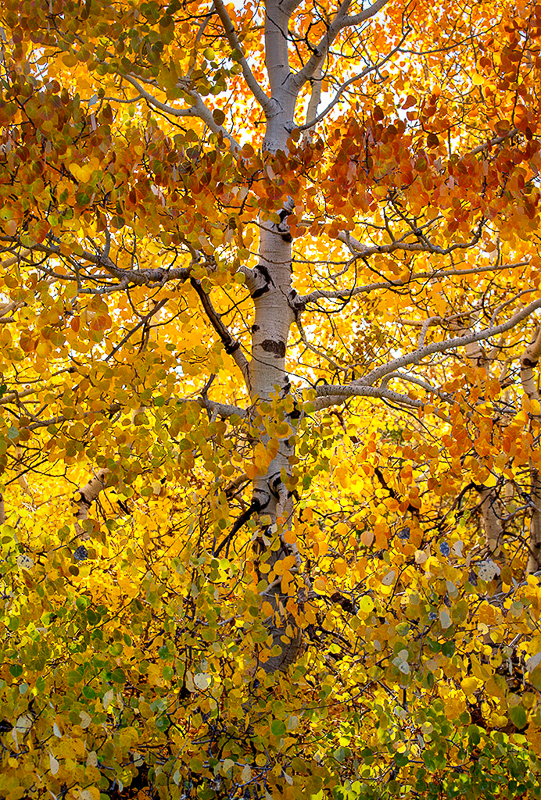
469 684
340 566
533 735
366 604
266 609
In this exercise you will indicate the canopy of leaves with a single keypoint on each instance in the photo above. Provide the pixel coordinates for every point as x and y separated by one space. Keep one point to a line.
135 183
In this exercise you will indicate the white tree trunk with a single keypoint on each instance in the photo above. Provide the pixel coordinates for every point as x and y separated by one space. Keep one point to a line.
272 321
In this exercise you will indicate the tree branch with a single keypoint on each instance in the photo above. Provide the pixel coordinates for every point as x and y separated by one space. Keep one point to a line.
199 109
340 21
140 277
492 142
264 101
231 345
449 344
313 103
311 122
289 6
334 395
337 294
87 494
143 321
404 376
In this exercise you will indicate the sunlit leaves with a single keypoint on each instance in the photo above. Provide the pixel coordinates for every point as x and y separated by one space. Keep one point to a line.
136 626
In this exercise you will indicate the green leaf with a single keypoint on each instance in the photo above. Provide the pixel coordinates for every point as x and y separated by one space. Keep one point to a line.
118 675
277 727
401 759
16 670
73 678
517 715
535 677
448 648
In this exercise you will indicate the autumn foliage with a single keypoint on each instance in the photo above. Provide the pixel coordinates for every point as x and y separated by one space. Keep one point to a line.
270 520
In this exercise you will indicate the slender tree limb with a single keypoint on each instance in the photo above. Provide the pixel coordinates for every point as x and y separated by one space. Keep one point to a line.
491 142
340 21
199 35
313 103
15 259
450 344
223 410
316 350
126 277
364 386
289 6
508 302
199 109
341 294
264 101
424 330
404 376
15 396
231 345
143 321
253 508
358 19
310 122
7 308
341 393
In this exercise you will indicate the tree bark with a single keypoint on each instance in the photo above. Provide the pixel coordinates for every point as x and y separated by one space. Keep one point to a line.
87 494
528 362
273 317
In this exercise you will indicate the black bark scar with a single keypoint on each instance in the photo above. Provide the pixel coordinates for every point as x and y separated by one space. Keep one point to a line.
270 346
268 281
